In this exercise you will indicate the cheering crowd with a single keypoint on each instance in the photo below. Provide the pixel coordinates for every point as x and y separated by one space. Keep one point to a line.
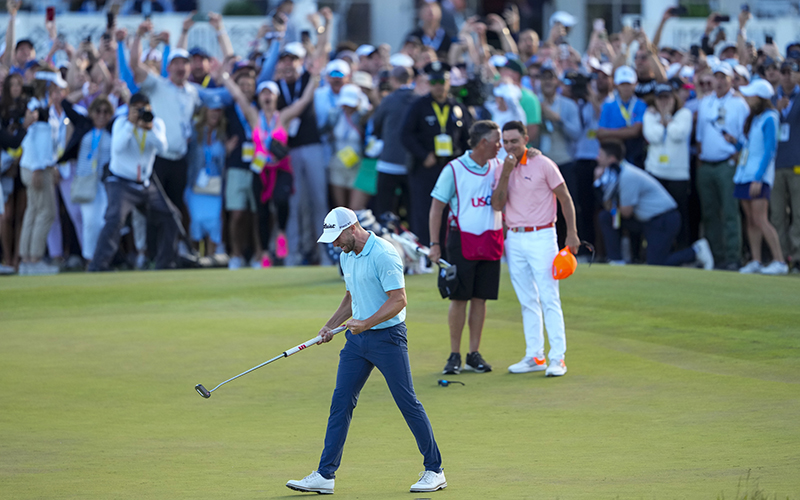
135 150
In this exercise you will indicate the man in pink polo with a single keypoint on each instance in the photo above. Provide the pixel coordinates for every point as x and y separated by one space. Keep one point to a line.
527 187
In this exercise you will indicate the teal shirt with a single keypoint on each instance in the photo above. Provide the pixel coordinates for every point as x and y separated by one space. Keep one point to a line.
445 188
369 275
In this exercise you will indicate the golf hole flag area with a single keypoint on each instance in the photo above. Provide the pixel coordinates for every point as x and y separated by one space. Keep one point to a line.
682 384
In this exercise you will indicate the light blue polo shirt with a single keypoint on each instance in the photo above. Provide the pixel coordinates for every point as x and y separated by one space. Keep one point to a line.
445 188
369 275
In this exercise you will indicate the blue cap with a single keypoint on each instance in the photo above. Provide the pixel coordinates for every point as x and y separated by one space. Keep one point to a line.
199 51
213 101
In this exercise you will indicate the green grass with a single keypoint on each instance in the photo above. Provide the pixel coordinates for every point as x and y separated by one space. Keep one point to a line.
682 385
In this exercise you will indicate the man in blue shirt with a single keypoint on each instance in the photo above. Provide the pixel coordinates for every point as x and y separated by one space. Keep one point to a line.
375 299
621 119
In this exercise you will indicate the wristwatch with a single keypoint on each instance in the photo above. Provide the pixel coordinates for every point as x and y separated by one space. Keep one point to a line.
321 30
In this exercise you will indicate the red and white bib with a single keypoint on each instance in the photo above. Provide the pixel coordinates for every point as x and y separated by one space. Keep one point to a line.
481 226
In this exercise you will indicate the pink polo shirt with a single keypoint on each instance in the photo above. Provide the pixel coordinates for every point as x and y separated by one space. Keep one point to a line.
531 201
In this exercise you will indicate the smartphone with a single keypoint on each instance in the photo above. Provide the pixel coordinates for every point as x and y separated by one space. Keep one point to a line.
50 14
599 25
679 11
200 18
305 35
768 39
695 51
110 20
722 19
637 24
564 51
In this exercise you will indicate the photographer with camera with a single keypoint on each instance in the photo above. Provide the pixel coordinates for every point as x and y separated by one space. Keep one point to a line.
135 142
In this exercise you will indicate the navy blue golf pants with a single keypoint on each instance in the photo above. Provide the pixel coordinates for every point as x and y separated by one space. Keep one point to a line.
386 349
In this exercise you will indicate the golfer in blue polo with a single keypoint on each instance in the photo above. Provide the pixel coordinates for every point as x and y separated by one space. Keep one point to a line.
374 306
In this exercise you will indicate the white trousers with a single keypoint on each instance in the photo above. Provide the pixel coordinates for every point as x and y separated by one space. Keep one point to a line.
93 215
530 264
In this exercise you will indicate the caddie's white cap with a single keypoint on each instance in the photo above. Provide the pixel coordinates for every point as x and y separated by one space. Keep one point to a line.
760 88
337 220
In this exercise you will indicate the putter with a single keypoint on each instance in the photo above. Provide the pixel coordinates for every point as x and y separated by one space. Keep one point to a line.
316 340
426 251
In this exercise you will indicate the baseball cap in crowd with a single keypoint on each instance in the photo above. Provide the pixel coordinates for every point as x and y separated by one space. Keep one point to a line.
412 39
606 68
268 85
401 59
760 88
337 220
214 101
663 88
337 69
770 62
362 79
350 95
515 65
200 52
178 54
548 66
790 66
742 71
723 68
437 70
348 54
498 61
24 41
794 45
244 64
625 74
726 46
293 49
565 18
365 50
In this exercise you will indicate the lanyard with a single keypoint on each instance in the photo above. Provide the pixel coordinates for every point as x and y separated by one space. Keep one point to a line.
141 141
287 96
441 115
627 112
248 131
206 81
96 136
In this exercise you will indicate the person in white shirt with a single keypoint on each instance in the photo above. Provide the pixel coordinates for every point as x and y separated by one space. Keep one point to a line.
719 113
667 127
135 142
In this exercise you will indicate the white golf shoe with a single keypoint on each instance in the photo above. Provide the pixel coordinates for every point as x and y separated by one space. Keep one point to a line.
312 483
702 251
752 267
556 368
429 481
527 365
775 268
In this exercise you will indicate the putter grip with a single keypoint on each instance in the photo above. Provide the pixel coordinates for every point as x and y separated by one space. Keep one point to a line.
309 343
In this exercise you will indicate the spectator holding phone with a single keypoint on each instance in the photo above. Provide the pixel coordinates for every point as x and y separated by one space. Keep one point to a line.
755 174
722 112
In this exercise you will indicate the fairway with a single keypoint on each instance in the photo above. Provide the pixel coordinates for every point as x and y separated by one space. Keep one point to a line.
680 383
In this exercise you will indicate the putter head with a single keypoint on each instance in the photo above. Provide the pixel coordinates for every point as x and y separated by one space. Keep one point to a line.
202 391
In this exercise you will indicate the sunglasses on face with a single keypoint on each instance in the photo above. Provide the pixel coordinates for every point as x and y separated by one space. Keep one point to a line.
436 82
104 111
706 84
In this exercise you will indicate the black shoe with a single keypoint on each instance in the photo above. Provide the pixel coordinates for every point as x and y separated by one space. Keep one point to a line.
476 363
453 366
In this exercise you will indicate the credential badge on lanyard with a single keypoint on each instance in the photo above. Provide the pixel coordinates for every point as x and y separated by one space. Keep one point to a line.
442 143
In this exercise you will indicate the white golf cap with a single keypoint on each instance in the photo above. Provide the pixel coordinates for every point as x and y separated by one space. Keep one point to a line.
295 49
337 69
760 88
723 68
742 71
498 61
350 95
365 50
178 54
337 220
565 18
401 59
54 78
362 79
268 85
625 74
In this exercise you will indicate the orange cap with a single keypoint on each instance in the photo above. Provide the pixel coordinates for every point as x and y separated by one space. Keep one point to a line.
564 264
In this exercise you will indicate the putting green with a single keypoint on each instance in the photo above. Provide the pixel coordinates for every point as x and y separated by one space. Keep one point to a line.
680 383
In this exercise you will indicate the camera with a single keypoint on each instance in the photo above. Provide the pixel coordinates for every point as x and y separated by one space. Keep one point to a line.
722 19
578 84
147 116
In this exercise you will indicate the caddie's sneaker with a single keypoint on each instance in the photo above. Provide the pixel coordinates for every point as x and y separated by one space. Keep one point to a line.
429 481
702 252
752 267
453 366
476 363
556 368
775 268
313 483
527 365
